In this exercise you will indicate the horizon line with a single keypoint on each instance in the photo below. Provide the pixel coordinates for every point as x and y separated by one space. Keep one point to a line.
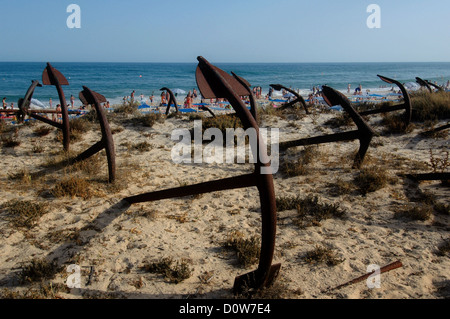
150 62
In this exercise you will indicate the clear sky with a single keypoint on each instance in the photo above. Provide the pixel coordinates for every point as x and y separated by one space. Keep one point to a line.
225 31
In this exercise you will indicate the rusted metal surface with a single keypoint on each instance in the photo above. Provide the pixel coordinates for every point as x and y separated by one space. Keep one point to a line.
364 133
24 104
247 85
428 84
215 83
88 96
424 84
172 100
207 109
404 106
51 76
392 266
298 97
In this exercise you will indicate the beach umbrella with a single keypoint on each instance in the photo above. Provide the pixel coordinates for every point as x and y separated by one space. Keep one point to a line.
179 91
37 103
288 95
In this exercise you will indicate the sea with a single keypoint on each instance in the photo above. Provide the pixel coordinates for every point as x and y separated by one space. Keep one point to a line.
117 80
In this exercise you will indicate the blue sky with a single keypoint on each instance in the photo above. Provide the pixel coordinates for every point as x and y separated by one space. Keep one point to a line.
225 31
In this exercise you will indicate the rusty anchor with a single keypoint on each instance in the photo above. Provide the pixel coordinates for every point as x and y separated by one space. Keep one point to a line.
428 84
364 133
404 106
88 96
50 76
298 97
215 83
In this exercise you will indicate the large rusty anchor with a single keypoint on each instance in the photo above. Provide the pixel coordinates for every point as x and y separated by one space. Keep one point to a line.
298 97
404 106
215 83
93 98
428 84
50 76
364 133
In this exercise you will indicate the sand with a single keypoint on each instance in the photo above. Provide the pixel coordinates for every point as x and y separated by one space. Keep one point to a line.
111 242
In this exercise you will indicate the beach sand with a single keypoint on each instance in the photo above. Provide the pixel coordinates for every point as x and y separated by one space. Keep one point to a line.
112 242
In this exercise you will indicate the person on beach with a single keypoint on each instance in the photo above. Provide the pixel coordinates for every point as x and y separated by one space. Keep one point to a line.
194 93
163 99
50 102
132 96
4 103
349 88
151 97
59 115
72 101
188 100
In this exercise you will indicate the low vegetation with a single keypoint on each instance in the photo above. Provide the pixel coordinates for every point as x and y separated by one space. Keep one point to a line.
24 214
430 106
321 254
174 272
247 249
310 211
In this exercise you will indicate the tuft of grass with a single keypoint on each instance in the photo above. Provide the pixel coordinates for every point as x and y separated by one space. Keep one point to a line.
340 187
174 273
73 187
341 120
444 248
37 270
10 142
90 166
371 179
291 168
140 147
24 214
321 254
126 108
395 123
148 120
247 249
310 211
42 131
439 165
421 213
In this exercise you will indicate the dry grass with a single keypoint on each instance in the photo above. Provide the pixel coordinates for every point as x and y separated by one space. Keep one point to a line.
321 254
430 106
297 167
42 131
174 273
247 249
38 270
24 214
395 123
421 212
371 179
73 187
148 120
10 141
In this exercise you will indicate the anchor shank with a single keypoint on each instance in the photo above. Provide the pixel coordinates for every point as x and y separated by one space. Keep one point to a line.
46 120
207 187
344 136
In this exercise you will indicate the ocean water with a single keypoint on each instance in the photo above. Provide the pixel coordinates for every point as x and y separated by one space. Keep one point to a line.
116 80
